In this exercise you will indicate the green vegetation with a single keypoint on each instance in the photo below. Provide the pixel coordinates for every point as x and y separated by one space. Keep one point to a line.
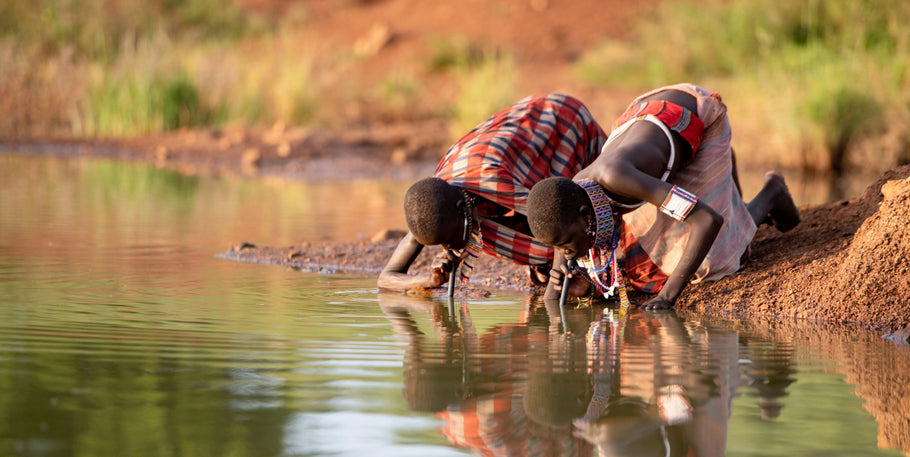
450 53
485 78
133 103
809 83
128 67
100 30
844 117
831 72
485 88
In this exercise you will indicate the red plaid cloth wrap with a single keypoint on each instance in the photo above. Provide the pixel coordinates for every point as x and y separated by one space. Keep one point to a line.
502 158
496 425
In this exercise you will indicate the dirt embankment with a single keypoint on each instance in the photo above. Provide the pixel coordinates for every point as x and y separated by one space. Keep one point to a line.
847 262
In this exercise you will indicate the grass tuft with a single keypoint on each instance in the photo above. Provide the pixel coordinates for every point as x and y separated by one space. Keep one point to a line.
485 88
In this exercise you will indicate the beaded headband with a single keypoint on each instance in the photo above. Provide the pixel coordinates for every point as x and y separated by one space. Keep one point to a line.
603 213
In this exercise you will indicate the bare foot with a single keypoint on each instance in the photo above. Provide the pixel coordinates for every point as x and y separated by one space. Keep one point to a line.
783 215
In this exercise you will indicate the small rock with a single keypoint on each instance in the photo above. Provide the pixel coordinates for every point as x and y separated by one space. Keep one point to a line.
539 5
399 155
284 149
244 245
388 234
376 38
901 336
251 159
161 153
224 143
274 134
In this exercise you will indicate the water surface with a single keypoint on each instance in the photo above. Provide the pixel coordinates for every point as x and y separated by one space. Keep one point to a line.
121 334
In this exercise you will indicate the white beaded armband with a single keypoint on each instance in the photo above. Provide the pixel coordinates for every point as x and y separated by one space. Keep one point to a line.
678 204
673 405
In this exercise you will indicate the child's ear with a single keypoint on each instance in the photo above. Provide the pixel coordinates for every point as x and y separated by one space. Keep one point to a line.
585 211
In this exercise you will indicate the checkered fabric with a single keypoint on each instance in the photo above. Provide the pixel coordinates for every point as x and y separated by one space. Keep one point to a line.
496 424
502 158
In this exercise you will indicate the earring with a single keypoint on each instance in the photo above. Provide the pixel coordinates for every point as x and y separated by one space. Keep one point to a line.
468 210
591 230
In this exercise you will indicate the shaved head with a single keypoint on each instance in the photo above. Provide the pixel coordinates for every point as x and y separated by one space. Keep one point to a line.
552 204
431 208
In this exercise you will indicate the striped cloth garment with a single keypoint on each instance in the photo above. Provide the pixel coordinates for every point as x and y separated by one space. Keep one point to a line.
496 424
653 243
502 158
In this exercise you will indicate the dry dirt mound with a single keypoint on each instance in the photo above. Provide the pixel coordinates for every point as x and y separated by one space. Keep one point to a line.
846 262
874 272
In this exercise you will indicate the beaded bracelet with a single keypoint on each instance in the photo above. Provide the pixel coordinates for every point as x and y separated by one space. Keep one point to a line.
678 204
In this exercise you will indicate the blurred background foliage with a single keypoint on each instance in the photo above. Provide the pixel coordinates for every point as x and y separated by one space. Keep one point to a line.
822 77
810 84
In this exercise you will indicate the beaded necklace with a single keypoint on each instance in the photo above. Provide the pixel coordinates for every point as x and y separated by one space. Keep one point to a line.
472 250
602 255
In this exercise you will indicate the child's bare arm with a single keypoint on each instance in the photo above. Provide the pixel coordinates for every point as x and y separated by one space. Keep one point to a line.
704 225
624 179
395 274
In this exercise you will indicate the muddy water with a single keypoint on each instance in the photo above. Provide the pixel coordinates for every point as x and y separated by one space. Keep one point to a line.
122 334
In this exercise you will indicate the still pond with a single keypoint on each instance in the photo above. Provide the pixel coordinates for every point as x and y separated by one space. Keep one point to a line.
123 334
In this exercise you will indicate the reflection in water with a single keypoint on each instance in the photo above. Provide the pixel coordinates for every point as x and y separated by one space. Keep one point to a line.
654 384
784 355
125 394
661 387
770 373
497 393
145 205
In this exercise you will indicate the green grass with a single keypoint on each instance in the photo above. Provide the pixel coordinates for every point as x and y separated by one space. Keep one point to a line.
834 72
451 53
484 88
97 29
132 67
809 83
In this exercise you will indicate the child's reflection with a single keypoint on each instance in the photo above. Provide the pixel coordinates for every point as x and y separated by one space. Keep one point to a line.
661 387
511 400
434 374
558 385
770 373
647 385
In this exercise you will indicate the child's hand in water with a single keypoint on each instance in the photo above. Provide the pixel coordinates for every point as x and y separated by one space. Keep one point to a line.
657 303
578 287
442 265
